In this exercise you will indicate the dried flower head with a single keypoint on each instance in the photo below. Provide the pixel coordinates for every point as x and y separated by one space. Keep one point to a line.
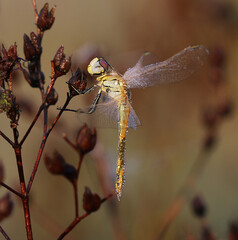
60 63
8 60
32 47
86 139
77 82
91 202
46 18
6 206
58 165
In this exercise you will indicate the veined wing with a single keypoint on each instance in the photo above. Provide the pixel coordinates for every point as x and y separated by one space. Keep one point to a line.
107 115
176 68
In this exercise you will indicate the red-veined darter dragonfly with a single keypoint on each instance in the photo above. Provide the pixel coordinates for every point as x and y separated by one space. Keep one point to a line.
116 87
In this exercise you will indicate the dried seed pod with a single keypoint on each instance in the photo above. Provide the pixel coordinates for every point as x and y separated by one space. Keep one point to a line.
77 82
91 202
86 139
55 164
6 206
58 165
60 63
32 47
199 207
45 18
52 97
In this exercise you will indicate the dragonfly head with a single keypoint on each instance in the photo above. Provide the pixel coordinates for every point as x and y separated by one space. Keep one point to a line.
99 66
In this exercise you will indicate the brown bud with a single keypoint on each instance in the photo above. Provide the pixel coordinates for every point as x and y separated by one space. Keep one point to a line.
32 47
6 206
57 165
60 63
12 53
52 97
199 207
77 82
7 61
91 202
70 172
86 139
46 19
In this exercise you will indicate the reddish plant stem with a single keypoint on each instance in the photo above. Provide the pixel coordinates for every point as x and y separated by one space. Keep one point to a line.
6 138
39 112
43 142
35 9
75 185
4 233
79 219
70 143
25 201
12 190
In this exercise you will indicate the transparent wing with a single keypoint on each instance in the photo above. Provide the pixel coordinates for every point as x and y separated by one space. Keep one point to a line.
107 115
176 68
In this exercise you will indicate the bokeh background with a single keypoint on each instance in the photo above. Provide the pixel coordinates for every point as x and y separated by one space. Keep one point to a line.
162 151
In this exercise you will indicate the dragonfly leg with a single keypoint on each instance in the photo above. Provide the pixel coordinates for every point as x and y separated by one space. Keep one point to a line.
84 91
94 104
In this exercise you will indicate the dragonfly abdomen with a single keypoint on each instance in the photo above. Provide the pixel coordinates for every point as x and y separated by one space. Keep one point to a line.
124 112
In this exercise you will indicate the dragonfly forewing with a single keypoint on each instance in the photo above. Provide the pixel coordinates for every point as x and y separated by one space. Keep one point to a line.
176 68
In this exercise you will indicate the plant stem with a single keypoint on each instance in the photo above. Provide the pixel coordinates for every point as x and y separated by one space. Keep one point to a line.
25 201
79 219
184 192
43 142
6 138
12 190
39 111
4 233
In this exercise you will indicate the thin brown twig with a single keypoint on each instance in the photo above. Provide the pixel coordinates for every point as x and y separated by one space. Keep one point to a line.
75 185
184 193
12 190
35 9
70 143
79 219
43 142
6 138
4 233
39 111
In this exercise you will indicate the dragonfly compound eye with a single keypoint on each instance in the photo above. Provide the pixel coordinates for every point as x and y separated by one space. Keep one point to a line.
97 66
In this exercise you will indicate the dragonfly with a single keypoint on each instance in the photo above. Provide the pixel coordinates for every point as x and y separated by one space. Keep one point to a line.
116 102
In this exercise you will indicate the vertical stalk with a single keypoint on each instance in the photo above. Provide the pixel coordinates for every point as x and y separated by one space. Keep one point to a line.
25 199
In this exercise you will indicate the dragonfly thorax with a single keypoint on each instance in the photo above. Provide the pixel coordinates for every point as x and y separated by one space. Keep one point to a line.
99 66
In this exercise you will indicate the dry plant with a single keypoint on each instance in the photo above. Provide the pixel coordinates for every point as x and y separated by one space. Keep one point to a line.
30 66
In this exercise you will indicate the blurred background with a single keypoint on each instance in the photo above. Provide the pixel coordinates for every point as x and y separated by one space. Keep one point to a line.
161 153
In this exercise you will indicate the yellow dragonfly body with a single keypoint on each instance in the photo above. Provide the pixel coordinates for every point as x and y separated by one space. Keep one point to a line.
117 104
